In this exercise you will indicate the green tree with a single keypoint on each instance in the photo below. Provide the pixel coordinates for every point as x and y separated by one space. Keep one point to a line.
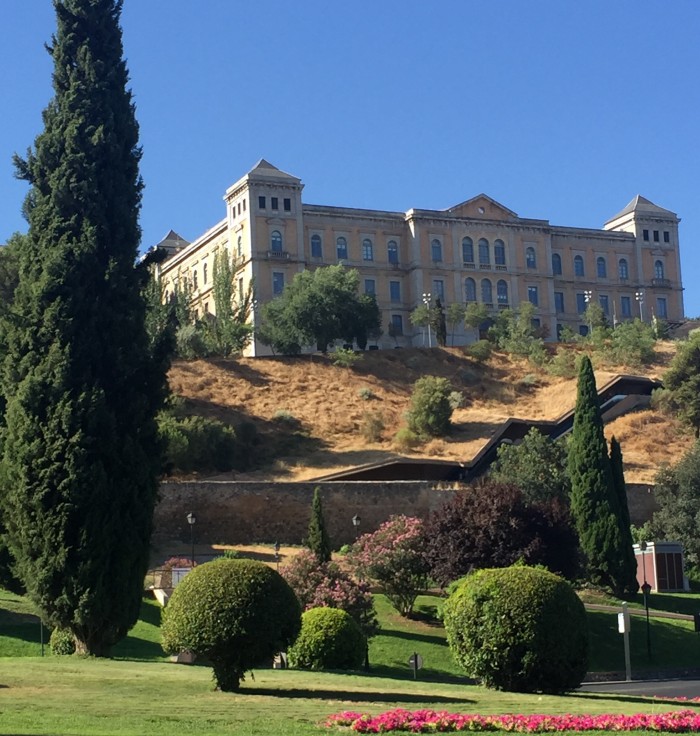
81 457
628 559
421 317
456 312
439 323
476 315
682 382
536 465
594 505
368 323
317 536
430 411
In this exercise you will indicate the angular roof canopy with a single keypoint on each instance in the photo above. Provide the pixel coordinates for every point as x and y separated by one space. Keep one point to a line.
642 204
482 206
266 169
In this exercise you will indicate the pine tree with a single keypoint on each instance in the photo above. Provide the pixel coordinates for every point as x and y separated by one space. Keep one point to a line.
594 505
629 561
80 459
317 538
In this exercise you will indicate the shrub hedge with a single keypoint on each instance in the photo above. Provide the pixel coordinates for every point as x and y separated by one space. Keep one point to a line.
330 639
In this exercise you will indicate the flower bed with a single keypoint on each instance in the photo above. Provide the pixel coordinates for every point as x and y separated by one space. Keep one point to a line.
430 721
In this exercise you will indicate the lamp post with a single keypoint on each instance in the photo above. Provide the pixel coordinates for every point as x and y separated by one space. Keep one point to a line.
646 589
191 520
639 296
427 298
277 555
588 297
356 524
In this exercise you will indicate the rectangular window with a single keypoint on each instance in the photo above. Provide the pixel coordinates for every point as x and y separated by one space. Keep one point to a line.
240 288
244 205
274 203
239 208
397 324
367 250
583 330
370 287
395 291
580 303
661 310
645 234
656 236
277 282
439 289
626 306
261 202
316 246
533 295
436 251
287 204
667 236
559 301
604 304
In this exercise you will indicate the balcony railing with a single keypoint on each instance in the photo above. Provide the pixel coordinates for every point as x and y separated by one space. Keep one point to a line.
278 255
468 264
661 283
501 267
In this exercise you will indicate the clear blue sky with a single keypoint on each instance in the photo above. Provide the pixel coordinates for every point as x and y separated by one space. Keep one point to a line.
558 109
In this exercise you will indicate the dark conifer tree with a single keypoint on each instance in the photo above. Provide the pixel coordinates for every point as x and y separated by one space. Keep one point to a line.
629 561
317 538
594 505
81 456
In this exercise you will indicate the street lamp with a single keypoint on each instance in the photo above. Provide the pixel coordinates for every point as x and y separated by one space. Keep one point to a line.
646 589
639 296
191 520
277 555
588 297
427 298
356 523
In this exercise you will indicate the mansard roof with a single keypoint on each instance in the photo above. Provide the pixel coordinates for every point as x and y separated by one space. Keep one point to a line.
172 242
643 205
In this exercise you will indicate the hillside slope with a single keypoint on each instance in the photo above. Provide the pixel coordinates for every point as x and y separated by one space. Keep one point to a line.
311 414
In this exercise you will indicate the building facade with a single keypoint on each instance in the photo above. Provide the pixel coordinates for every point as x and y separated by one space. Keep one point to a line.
476 251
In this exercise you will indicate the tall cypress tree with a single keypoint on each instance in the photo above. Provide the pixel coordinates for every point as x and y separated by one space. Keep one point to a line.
317 539
81 456
629 561
594 506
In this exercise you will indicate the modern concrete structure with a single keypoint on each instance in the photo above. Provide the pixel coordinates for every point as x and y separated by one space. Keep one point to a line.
478 250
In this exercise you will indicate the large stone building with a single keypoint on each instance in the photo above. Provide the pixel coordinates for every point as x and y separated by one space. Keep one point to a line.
478 250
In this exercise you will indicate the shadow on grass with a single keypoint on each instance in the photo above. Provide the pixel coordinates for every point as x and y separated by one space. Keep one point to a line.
648 699
413 636
353 696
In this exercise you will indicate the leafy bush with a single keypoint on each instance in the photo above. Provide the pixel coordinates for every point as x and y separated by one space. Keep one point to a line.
62 642
480 350
456 399
329 640
392 556
237 613
197 443
345 357
190 342
520 629
564 364
430 411
365 393
372 426
406 439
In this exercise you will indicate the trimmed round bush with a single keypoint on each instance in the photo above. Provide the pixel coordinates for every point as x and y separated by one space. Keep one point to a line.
330 639
521 629
62 642
236 613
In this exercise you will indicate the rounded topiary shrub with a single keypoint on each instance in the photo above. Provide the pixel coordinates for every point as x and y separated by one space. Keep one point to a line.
236 613
518 628
330 639
62 642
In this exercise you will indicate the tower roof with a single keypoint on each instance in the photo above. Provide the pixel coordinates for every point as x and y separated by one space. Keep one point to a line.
642 204
265 169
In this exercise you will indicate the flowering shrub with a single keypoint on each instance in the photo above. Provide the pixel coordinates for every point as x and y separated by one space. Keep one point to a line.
430 721
172 562
393 557
323 584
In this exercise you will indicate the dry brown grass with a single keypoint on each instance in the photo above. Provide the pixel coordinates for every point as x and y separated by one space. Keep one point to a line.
328 405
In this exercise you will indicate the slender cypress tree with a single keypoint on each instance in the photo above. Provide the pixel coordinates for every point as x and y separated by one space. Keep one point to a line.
629 561
317 539
80 458
594 505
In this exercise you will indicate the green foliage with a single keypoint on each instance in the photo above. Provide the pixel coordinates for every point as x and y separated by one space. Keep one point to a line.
455 314
476 315
563 363
365 393
514 332
439 323
81 456
237 613
537 465
456 399
406 439
319 306
480 350
317 537
191 342
594 503
372 426
430 411
519 629
345 357
628 560
62 642
682 382
677 491
632 344
329 640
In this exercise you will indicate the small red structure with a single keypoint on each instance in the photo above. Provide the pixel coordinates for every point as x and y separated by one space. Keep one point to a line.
660 564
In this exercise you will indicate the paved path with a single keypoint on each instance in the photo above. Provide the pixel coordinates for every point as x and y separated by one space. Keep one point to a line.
680 688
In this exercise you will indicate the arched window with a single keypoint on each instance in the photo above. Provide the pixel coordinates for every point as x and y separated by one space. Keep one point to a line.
204 273
659 270
316 246
530 257
276 241
601 267
484 256
556 264
342 248
392 250
502 292
623 269
486 292
367 250
467 250
435 250
499 253
578 266
469 290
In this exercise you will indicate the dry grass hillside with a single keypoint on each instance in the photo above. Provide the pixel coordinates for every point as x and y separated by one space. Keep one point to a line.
314 416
